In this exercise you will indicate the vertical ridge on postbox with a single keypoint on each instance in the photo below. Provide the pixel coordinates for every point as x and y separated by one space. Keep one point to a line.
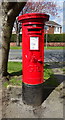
33 47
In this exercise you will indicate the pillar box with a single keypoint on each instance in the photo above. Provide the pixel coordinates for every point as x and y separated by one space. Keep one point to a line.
33 56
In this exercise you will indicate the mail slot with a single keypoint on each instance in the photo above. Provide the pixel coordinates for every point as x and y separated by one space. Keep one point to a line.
36 30
33 48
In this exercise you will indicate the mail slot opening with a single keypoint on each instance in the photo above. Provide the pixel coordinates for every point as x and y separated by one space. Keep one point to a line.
34 29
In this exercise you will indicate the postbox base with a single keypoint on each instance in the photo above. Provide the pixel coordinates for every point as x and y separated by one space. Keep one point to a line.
32 94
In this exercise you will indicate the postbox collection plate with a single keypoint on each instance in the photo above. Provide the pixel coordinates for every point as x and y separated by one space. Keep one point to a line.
34 43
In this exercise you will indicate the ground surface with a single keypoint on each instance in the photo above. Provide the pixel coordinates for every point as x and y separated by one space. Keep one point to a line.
52 106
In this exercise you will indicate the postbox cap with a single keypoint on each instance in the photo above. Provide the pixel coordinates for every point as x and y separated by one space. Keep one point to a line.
33 16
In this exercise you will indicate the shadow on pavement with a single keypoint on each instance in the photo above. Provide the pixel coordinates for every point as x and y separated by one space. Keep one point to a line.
18 73
53 65
51 84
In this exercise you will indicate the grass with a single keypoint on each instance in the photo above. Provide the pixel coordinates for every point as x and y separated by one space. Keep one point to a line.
47 72
15 68
49 47
16 81
54 48
63 70
15 47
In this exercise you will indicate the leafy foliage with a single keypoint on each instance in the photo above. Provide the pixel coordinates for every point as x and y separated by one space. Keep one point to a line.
50 38
55 38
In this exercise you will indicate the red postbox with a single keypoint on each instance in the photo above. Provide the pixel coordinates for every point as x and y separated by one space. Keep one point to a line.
33 48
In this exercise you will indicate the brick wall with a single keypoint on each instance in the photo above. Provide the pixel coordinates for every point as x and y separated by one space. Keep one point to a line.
48 44
55 44
50 31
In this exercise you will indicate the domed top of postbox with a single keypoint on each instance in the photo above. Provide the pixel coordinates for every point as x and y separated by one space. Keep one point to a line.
33 16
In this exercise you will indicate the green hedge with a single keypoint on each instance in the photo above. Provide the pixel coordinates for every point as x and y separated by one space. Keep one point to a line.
55 37
50 38
13 38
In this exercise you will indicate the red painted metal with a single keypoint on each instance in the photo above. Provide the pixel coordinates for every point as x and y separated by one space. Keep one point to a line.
33 47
